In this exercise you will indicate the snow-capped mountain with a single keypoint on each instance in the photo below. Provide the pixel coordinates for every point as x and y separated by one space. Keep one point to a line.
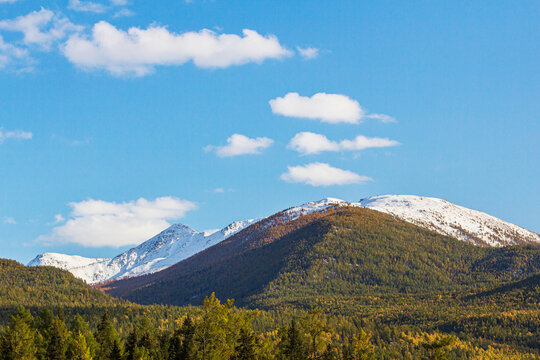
439 215
180 242
172 245
449 219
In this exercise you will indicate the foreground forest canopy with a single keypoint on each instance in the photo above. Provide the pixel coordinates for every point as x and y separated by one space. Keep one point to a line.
221 331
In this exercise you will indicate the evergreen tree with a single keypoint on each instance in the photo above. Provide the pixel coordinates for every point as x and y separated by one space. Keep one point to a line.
292 344
436 349
314 324
44 324
80 326
57 341
211 332
116 351
362 347
17 342
182 342
107 338
77 348
329 353
142 341
245 349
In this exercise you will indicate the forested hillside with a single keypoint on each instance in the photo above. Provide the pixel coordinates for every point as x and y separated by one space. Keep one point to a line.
46 286
337 259
68 320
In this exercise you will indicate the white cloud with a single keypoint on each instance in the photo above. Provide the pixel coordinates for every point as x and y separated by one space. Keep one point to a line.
7 1
9 220
22 135
222 190
94 7
308 52
321 174
42 28
58 218
382 118
123 13
238 144
11 54
97 223
329 108
311 143
86 6
137 51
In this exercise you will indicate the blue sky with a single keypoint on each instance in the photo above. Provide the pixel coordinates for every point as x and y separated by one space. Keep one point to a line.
88 129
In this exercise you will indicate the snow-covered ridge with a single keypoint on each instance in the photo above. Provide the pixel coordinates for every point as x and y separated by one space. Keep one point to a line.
180 242
174 244
315 206
453 220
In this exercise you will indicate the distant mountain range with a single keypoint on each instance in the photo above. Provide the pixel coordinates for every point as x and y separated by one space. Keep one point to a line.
180 242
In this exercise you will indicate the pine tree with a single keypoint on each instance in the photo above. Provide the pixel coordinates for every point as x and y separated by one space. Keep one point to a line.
17 342
292 344
81 326
246 346
362 347
142 341
314 324
212 330
77 348
107 338
182 342
329 353
436 349
57 342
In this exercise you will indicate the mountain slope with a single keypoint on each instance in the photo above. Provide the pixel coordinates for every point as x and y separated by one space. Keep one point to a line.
341 253
172 245
449 219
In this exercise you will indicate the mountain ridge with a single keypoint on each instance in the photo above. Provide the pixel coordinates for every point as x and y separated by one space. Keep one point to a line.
170 246
179 242
342 255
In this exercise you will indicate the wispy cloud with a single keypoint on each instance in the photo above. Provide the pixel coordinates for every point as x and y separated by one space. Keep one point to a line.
322 174
11 54
98 223
308 52
311 143
382 118
86 6
329 108
42 28
137 51
123 13
9 220
17 134
238 144
71 142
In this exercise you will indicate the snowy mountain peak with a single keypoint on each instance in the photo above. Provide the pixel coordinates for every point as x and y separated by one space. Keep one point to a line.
174 244
453 220
63 261
236 226
314 206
